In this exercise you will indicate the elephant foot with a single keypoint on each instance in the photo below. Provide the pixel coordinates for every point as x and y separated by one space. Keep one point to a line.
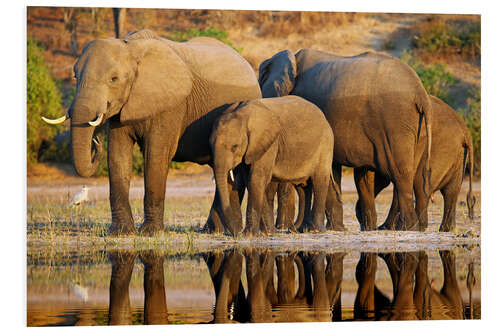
149 229
292 230
422 228
406 226
250 232
335 227
407 222
444 228
386 226
121 230
317 229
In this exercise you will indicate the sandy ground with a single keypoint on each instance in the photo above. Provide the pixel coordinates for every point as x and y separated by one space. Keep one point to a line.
190 197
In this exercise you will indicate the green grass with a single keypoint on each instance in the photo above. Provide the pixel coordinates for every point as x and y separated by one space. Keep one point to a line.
435 77
445 38
185 35
471 114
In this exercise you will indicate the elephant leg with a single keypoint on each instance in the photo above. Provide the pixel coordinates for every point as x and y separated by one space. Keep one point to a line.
214 223
302 204
286 278
365 206
401 166
267 219
120 151
122 265
320 300
307 219
450 195
382 182
364 303
155 302
334 208
228 279
334 275
421 203
320 182
157 157
422 291
450 289
260 177
236 190
403 304
286 206
337 174
407 216
259 305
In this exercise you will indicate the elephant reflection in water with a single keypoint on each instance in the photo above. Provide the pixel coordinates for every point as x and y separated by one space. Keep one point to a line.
413 295
225 270
155 303
320 270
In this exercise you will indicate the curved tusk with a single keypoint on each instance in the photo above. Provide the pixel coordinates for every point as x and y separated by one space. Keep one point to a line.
231 174
56 121
98 121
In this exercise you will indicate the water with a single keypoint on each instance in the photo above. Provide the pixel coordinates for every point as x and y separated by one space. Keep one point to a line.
251 285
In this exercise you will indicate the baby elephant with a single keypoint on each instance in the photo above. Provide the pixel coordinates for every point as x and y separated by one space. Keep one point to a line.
284 139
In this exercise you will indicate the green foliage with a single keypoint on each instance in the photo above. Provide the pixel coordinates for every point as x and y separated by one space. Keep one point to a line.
182 36
440 37
137 161
43 98
435 78
471 115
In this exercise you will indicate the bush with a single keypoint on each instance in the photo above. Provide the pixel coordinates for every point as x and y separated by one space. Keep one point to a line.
472 118
445 37
43 98
182 36
436 80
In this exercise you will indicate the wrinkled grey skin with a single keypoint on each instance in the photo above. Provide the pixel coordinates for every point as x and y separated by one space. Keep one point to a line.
452 149
283 139
377 107
164 96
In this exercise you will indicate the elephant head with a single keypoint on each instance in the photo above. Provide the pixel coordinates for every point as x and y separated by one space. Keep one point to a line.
136 78
277 74
242 135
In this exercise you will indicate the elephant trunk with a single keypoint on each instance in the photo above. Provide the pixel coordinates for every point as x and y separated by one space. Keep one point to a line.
221 182
86 150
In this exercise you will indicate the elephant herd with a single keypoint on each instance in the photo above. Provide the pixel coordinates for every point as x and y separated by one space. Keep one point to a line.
200 101
295 286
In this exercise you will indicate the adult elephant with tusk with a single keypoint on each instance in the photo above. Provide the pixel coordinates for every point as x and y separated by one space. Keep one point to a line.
161 94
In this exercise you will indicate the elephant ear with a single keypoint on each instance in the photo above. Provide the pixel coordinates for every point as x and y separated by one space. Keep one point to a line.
277 74
141 34
263 129
162 80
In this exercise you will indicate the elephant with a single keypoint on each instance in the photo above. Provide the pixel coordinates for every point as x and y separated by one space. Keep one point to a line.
160 94
155 303
369 299
402 267
284 139
443 304
230 301
451 147
375 104
122 265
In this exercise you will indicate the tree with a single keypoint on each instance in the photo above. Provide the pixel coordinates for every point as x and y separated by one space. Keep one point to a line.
119 19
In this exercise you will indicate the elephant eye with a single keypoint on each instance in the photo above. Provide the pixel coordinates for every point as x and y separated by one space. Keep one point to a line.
114 79
233 148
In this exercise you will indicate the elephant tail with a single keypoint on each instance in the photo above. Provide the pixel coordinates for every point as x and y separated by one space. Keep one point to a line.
469 153
336 188
425 110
